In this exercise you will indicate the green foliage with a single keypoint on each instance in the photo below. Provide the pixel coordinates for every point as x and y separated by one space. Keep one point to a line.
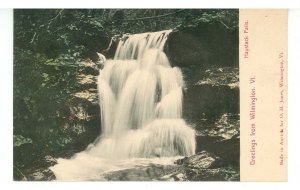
20 140
120 21
56 31
228 18
63 141
41 87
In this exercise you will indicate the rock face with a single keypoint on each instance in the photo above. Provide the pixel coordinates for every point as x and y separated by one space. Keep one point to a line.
211 104
205 45
80 116
201 160
42 175
154 172
205 166
215 92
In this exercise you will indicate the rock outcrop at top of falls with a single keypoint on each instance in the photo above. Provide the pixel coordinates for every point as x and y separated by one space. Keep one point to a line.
203 46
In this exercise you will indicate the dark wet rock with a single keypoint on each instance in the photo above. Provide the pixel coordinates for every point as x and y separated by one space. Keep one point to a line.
203 45
153 172
94 42
174 177
179 177
41 175
208 102
227 150
211 94
221 138
50 160
211 105
201 160
217 174
205 166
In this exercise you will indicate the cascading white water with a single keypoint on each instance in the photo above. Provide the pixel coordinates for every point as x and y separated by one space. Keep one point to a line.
141 105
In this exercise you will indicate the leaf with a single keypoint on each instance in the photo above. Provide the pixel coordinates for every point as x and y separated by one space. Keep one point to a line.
19 140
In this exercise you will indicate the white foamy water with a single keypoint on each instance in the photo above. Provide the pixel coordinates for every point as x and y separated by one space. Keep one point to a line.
86 167
141 112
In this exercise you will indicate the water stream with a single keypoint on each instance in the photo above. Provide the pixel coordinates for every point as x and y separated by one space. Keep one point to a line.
140 96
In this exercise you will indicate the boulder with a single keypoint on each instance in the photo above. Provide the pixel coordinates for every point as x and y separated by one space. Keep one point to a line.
205 166
218 174
221 138
208 44
201 160
210 94
152 172
41 175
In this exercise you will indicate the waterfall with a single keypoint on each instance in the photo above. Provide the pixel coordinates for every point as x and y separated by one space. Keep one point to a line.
141 102
140 96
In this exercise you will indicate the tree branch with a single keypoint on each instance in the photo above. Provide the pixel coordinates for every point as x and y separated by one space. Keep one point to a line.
224 24
20 172
51 20
33 37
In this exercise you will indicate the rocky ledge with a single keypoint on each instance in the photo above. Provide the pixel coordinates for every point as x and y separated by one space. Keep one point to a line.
203 166
211 106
